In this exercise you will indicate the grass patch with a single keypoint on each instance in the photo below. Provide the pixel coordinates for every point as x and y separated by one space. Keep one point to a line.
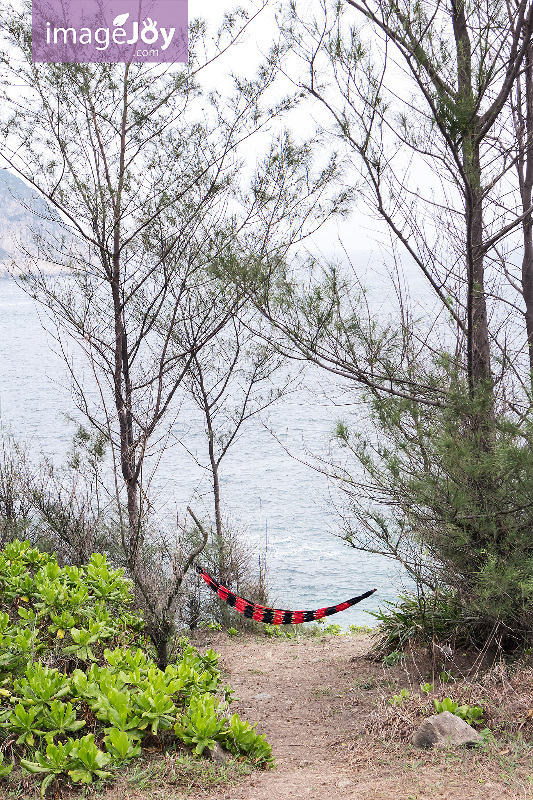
167 776
184 772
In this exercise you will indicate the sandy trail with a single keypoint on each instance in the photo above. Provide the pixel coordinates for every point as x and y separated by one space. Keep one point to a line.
313 699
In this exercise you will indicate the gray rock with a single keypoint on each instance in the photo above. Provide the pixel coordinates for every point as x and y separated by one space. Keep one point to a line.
262 696
445 730
218 754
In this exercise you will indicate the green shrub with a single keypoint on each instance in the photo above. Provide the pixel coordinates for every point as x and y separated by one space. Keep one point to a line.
97 660
397 699
355 629
470 714
448 492
333 630
200 724
420 620
5 769
241 737
393 658
276 631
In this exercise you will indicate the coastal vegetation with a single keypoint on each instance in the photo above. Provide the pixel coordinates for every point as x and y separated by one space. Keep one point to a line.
195 282
182 269
80 692
142 168
432 102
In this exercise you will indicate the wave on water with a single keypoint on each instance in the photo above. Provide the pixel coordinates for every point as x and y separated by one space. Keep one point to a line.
284 507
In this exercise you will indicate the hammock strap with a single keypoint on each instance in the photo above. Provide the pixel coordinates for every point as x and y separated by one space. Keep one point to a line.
274 616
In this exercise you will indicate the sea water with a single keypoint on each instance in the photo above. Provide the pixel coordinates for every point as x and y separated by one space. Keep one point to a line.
287 510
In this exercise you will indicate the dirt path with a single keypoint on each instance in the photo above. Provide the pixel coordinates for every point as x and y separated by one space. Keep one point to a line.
326 710
297 694
314 700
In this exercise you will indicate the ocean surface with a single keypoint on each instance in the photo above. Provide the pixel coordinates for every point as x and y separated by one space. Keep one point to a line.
285 509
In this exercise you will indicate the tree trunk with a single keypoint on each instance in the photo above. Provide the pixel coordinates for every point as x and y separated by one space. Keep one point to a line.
525 173
122 381
218 514
222 566
479 371
123 403
478 350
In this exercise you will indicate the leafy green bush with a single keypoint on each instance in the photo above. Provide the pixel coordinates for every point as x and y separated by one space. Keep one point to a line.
5 769
275 631
73 658
333 630
200 724
355 629
64 614
470 714
241 737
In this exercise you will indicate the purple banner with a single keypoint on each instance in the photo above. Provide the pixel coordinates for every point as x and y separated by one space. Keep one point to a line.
109 31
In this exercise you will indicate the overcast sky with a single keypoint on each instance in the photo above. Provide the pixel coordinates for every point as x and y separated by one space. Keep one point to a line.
357 236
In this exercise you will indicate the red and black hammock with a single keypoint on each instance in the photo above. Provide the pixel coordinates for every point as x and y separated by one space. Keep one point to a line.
274 616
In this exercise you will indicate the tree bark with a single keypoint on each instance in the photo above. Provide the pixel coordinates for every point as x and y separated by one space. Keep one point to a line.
478 349
525 174
122 380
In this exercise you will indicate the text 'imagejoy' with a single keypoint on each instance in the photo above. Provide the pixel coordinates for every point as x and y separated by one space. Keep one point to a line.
118 31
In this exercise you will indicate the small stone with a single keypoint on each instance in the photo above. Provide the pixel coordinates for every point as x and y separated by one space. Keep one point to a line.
218 754
445 730
262 696
344 783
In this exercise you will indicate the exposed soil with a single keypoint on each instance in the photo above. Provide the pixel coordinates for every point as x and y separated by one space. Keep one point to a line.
325 709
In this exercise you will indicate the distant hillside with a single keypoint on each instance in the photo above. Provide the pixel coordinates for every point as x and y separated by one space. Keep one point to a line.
23 214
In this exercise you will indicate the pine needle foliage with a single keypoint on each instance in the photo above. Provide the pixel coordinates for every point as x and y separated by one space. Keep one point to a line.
452 500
